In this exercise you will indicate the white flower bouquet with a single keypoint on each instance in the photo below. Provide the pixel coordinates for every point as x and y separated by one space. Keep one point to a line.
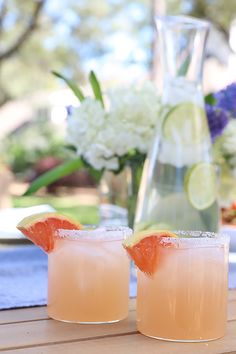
103 138
221 114
107 132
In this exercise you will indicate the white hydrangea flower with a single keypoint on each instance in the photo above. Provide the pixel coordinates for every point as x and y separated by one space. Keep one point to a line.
100 136
100 157
84 123
228 144
229 138
138 110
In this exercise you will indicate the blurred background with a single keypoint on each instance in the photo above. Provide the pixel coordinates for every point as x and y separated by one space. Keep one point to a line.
116 39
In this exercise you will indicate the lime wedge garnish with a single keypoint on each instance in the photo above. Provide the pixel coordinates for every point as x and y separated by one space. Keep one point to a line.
201 185
186 124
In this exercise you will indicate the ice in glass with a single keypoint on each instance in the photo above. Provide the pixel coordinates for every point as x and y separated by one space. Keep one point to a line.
88 276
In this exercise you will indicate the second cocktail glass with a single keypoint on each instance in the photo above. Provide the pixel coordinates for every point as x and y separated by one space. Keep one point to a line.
88 276
186 298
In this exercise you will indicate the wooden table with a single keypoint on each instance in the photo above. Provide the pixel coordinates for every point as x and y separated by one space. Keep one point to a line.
30 331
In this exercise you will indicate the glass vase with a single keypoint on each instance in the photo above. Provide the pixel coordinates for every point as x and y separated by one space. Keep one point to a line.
179 183
113 197
118 196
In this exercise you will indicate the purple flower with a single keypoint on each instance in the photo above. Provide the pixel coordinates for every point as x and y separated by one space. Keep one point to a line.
69 110
226 99
217 118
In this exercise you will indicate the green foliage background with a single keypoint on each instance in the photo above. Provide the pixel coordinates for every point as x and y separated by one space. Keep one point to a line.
32 142
69 33
66 36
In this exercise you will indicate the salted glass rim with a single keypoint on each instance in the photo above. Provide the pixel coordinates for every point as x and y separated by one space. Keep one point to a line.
196 239
182 21
95 233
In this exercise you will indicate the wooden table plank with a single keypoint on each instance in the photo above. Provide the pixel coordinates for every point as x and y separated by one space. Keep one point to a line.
22 315
40 313
31 331
35 313
137 344
50 331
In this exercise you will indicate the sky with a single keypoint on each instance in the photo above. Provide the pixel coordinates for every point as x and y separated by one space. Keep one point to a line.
125 51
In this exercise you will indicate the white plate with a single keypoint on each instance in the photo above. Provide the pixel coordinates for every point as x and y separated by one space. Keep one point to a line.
10 217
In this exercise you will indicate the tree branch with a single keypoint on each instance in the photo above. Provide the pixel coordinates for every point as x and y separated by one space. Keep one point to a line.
3 10
201 11
26 33
4 97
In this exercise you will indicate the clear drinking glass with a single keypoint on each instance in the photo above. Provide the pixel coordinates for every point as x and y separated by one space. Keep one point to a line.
186 299
88 276
179 184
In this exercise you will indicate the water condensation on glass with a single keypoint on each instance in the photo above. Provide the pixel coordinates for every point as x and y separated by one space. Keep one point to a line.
96 234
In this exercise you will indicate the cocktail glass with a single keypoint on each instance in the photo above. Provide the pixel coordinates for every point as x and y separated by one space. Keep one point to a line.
186 299
88 276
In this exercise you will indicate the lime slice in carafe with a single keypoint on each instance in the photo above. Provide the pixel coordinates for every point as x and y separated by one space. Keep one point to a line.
186 124
201 185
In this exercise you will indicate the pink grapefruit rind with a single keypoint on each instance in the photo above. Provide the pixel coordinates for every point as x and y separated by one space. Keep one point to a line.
41 228
144 249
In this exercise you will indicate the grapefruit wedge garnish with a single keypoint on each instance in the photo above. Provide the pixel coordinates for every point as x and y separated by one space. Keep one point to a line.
40 228
144 248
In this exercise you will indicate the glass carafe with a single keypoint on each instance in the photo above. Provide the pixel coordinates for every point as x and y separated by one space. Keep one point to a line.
179 184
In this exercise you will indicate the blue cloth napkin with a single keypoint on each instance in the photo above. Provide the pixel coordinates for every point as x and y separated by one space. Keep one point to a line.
23 277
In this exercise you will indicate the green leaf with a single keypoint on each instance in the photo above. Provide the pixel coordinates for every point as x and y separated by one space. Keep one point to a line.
96 87
77 91
70 147
53 175
184 67
97 175
210 99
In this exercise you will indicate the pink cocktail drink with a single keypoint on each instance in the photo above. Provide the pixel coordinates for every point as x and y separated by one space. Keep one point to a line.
88 276
186 298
